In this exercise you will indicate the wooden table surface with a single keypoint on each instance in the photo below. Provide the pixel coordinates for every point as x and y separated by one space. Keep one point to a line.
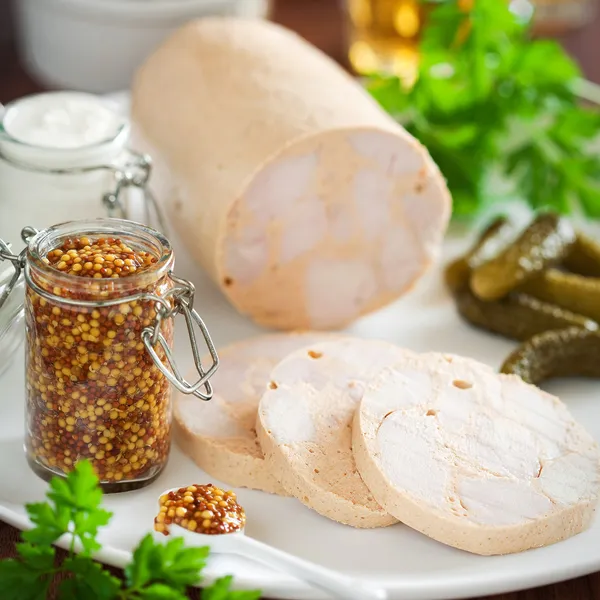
320 22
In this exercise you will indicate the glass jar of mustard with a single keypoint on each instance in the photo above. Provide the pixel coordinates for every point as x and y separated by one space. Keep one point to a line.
64 156
100 297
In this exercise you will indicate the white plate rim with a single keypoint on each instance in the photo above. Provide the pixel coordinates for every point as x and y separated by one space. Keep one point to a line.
469 586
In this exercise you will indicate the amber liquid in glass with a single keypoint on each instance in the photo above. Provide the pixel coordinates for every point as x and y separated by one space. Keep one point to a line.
384 36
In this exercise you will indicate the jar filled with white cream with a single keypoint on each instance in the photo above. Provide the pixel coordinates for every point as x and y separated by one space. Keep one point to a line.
63 157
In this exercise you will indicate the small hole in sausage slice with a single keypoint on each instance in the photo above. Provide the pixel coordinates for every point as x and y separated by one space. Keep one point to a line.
462 384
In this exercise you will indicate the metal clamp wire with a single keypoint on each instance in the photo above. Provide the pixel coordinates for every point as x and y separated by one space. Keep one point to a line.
18 262
171 371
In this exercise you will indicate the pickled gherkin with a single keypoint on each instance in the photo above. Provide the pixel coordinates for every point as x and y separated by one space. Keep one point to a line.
457 273
570 352
512 285
584 256
543 243
518 316
572 292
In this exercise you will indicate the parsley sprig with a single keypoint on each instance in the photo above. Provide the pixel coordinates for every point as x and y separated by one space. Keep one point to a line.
491 104
73 512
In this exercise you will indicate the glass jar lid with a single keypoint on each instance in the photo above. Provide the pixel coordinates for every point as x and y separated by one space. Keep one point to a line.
12 331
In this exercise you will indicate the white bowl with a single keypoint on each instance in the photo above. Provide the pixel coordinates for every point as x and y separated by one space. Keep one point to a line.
96 45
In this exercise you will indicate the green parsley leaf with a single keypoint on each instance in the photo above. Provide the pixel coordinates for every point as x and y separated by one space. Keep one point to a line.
221 590
50 523
28 577
38 558
89 580
485 102
138 572
86 525
390 94
18 582
79 490
160 591
533 68
170 563
77 500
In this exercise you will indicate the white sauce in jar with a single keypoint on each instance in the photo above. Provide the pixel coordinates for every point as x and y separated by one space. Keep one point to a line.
61 120
58 152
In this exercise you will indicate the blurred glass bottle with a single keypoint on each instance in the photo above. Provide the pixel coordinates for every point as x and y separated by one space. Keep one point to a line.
383 35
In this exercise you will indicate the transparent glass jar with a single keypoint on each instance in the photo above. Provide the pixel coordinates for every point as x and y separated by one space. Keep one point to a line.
57 163
98 360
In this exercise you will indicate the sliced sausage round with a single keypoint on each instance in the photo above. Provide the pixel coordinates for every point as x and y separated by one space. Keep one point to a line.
220 435
477 460
304 426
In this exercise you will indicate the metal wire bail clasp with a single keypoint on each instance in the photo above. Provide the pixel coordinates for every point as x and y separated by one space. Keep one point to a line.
133 171
18 261
180 300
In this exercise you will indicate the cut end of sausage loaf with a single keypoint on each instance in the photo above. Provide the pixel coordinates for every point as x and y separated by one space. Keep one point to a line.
220 435
304 427
476 460
335 226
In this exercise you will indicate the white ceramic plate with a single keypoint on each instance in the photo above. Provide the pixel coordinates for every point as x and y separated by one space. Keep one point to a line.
409 565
